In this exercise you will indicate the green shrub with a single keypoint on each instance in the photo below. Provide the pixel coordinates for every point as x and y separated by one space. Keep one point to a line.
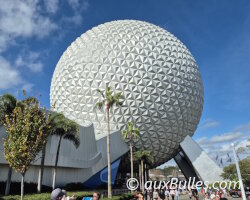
78 196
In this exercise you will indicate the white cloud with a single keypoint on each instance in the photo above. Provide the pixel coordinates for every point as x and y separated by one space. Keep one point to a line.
220 145
75 19
78 4
22 19
209 124
30 60
78 7
51 5
27 87
226 137
221 142
9 77
244 127
202 140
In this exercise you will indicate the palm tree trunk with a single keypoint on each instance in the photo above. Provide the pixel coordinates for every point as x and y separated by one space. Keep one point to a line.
54 170
40 175
145 173
22 186
131 159
108 157
142 175
7 187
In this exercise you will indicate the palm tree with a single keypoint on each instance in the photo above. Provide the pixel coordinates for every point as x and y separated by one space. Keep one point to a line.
41 169
7 104
143 156
131 134
64 129
109 100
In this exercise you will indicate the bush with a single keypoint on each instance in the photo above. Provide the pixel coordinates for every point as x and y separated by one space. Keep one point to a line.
127 196
78 196
45 196
15 188
73 187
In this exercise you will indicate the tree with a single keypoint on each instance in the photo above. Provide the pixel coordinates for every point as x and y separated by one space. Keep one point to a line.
143 156
242 150
7 104
26 136
41 169
169 170
131 134
230 173
64 129
109 100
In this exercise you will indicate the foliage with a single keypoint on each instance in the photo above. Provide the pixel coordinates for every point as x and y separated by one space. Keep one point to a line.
127 196
110 98
145 156
16 187
78 195
7 105
65 128
26 135
130 133
230 173
169 170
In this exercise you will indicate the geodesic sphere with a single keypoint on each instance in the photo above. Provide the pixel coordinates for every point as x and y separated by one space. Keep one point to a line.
155 72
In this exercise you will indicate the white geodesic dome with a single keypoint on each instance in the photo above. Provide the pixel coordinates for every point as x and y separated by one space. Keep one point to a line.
155 72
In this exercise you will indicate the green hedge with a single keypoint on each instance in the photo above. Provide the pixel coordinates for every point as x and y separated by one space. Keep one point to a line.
127 196
78 195
45 196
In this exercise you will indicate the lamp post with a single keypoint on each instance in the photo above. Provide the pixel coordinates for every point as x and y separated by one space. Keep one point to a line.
243 194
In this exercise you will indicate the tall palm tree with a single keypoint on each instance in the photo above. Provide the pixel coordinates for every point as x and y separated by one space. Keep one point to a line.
131 134
109 100
41 169
64 129
7 104
143 156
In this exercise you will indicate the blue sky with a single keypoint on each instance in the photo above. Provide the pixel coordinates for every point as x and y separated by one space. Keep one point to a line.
34 34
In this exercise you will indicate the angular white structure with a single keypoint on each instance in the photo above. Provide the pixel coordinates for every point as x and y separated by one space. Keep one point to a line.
194 162
155 72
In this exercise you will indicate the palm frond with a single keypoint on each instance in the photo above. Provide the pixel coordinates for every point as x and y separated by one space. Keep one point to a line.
101 92
136 133
124 134
64 127
118 98
73 138
99 105
58 123
144 155
130 127
7 105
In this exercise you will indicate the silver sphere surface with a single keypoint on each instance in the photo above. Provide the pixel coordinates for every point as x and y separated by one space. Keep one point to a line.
155 72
